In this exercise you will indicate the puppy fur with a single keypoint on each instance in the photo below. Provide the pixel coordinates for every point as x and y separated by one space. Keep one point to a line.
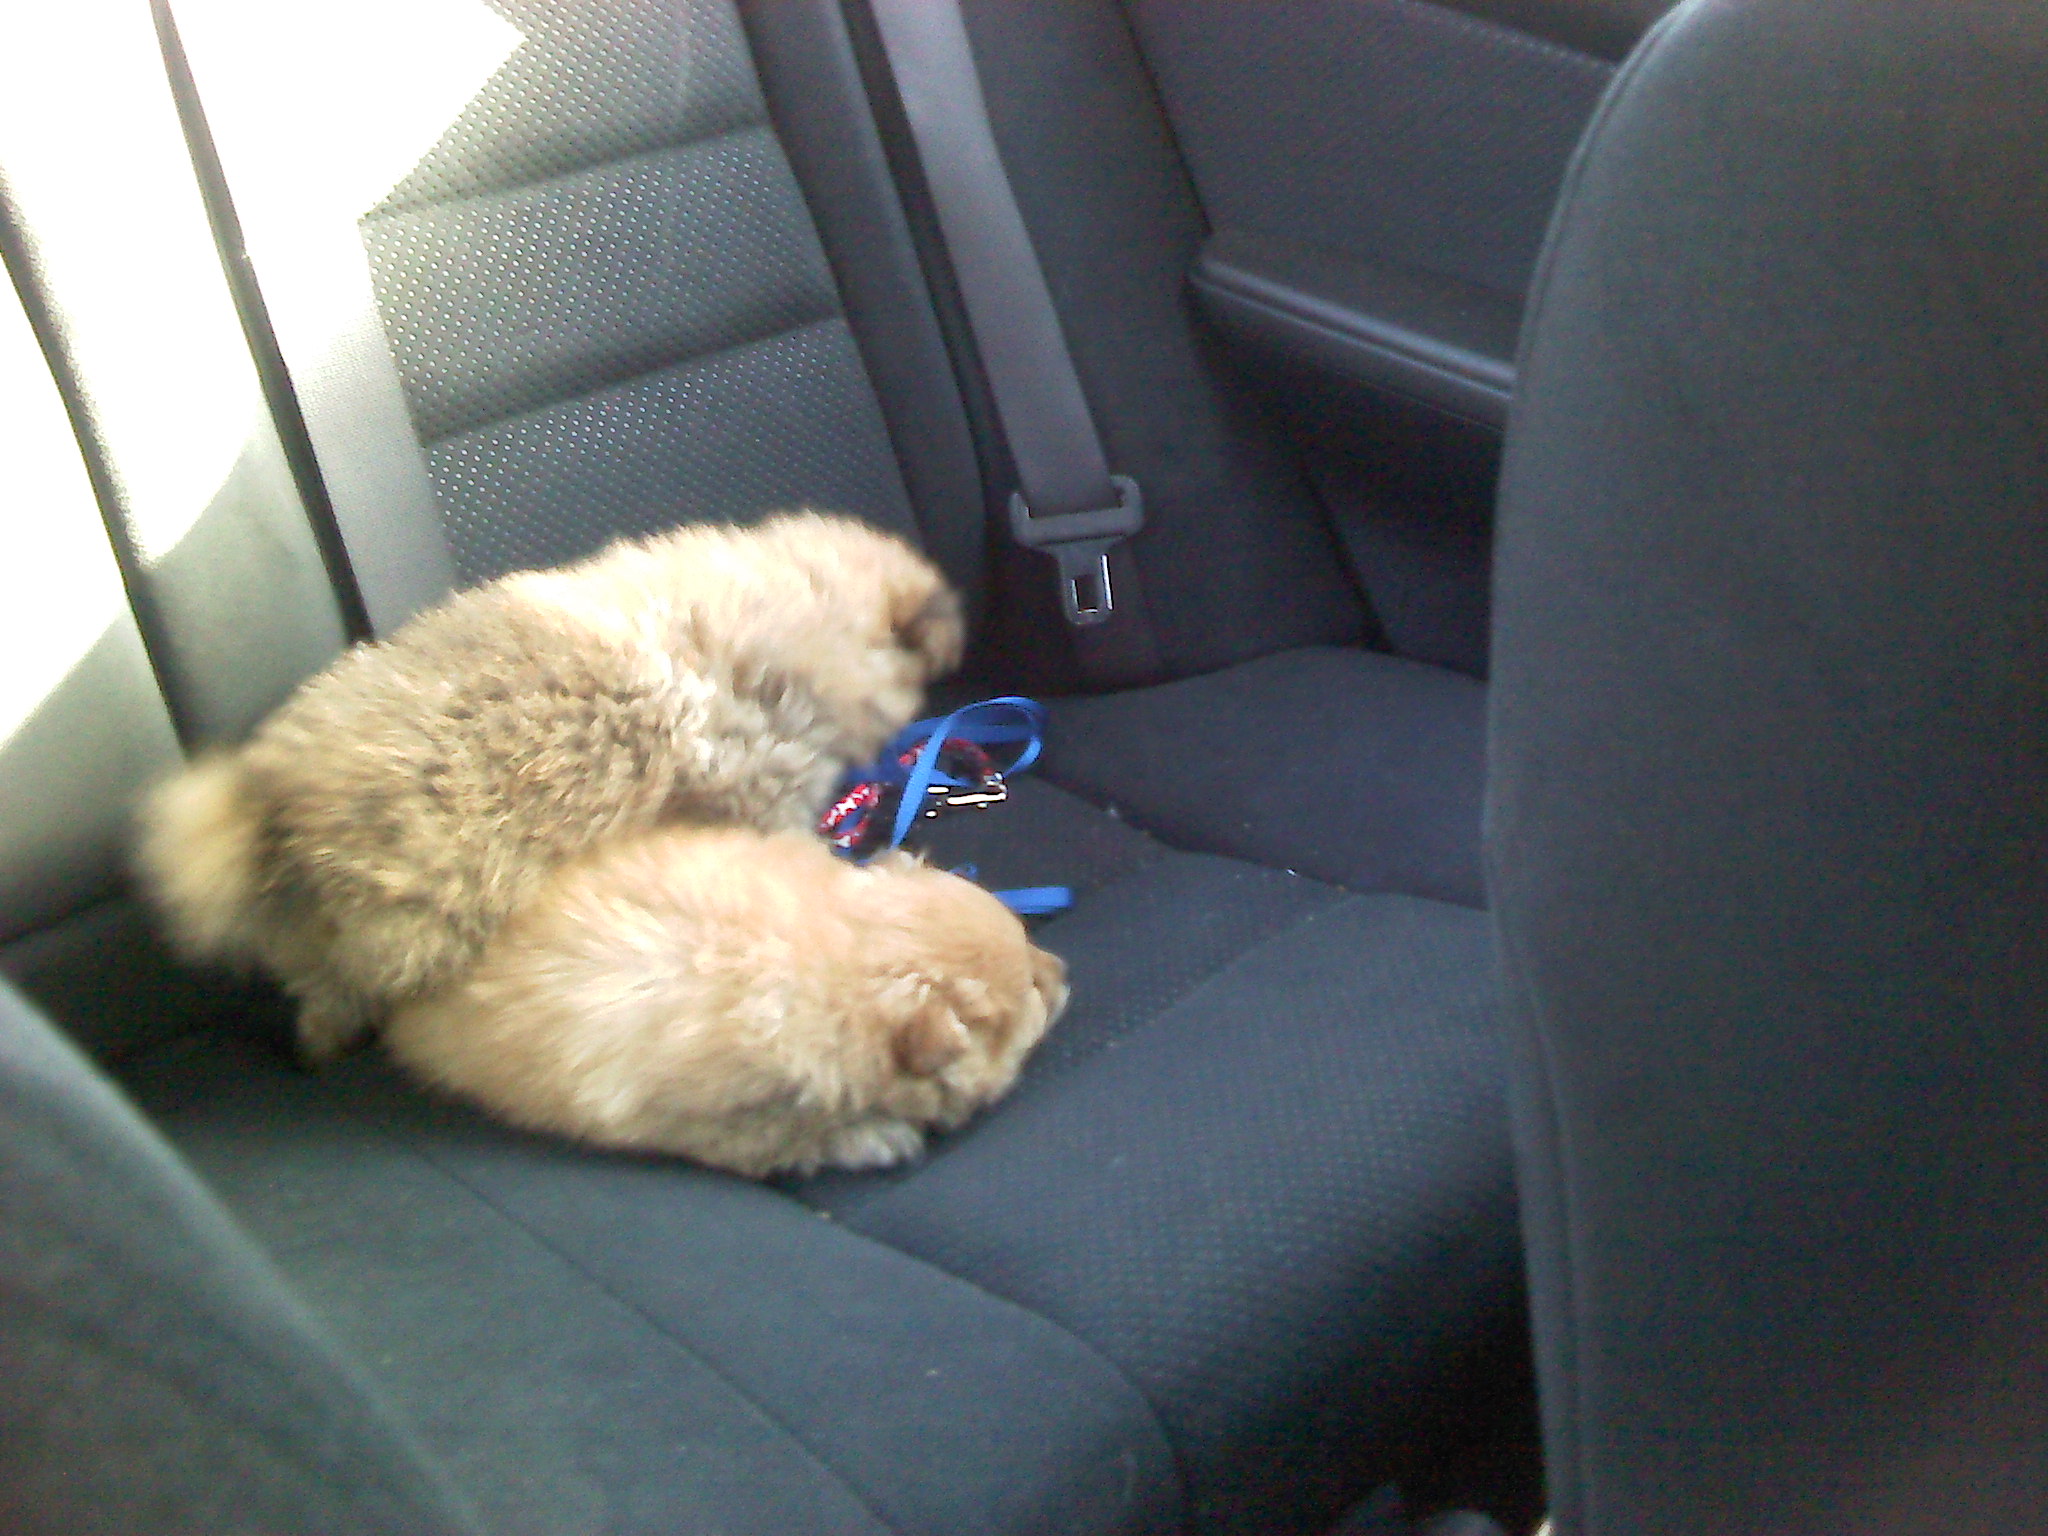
747 1000
374 833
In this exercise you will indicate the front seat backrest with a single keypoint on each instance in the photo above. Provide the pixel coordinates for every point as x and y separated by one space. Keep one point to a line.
160 1377
1769 810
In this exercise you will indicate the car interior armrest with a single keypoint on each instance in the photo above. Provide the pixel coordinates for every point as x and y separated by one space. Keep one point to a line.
1442 340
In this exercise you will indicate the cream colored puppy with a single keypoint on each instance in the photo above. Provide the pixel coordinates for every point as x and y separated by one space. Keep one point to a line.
370 838
749 1001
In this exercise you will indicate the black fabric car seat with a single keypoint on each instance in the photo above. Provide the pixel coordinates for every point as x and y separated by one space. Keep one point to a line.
159 1374
1240 1247
1770 742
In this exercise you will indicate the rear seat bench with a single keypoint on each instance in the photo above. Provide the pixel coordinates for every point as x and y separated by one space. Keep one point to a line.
1242 1244
1208 1268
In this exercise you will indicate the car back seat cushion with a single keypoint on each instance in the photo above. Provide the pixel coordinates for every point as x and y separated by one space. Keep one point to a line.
1262 1168
160 1376
1284 1097
1239 1230
1357 768
598 1344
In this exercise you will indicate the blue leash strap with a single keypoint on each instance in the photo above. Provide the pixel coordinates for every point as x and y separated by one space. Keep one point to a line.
1036 900
1009 721
991 723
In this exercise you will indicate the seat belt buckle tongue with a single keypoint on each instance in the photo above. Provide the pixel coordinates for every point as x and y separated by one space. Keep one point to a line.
1085 593
1079 543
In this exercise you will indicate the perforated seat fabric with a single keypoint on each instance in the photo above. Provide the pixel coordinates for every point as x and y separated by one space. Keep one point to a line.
1278 1201
608 305
636 1347
1240 1231
1357 768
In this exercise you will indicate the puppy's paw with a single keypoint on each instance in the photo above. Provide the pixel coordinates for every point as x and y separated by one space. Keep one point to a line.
873 1144
921 639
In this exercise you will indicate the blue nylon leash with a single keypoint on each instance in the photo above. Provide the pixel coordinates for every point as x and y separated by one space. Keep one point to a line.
1009 721
1036 900
991 723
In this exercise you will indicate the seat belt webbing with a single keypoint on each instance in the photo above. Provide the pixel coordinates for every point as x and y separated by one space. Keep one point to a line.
1070 504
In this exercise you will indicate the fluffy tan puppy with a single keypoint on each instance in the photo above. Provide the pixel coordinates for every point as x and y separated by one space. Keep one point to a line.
749 1001
373 834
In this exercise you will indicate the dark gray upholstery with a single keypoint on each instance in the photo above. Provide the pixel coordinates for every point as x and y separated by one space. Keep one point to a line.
1769 736
1240 1249
1278 1204
1223 1259
787 421
1391 130
1379 174
1411 491
818 101
595 276
1359 769
1420 334
1235 558
159 1376
608 305
613 1345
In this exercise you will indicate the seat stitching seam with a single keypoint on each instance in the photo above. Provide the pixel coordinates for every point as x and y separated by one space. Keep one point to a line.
491 190
637 375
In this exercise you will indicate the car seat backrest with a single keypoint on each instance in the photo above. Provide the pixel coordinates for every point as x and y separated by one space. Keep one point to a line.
160 1375
607 303
608 299
162 581
1769 747
83 725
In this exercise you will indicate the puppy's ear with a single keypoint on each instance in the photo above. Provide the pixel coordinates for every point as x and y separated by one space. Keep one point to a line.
930 1039
1049 976
927 623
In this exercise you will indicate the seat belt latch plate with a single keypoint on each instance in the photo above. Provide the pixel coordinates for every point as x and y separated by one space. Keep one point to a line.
1079 543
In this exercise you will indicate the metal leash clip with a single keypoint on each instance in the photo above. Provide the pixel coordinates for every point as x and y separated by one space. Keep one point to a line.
938 765
942 797
967 760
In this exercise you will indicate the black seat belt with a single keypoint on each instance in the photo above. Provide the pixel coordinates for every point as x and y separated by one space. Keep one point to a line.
1068 503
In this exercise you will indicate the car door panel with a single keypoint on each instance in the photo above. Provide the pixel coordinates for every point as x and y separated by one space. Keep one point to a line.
1378 175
